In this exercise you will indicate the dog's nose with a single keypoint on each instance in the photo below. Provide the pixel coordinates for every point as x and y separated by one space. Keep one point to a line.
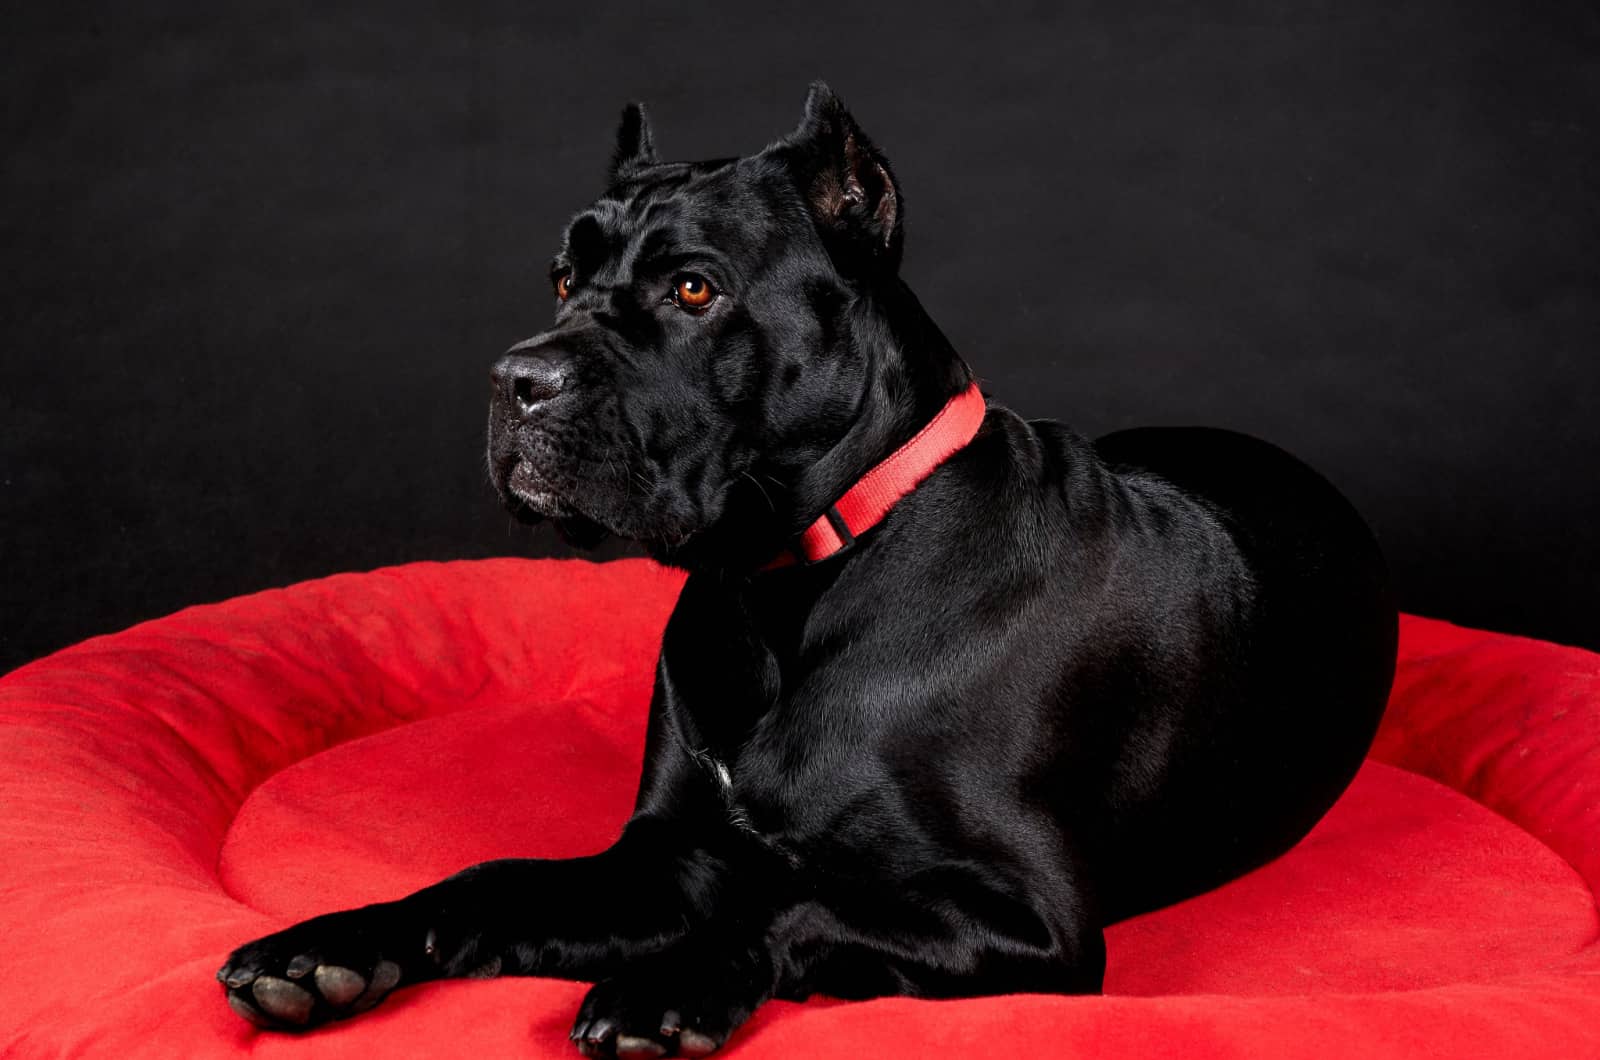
525 382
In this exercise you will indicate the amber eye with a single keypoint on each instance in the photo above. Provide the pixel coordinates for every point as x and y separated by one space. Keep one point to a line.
693 291
564 284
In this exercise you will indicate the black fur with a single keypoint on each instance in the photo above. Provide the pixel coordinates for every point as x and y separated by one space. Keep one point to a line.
1063 682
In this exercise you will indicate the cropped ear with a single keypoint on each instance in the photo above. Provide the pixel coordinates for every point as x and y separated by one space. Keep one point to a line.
636 147
854 197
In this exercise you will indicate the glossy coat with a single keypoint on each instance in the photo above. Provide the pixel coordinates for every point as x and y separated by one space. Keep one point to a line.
1061 683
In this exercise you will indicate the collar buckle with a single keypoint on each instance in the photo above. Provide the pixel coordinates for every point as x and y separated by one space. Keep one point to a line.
870 499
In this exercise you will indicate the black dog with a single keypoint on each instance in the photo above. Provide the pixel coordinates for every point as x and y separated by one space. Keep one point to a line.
924 735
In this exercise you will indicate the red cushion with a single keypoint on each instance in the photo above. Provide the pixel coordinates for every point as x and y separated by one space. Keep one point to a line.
171 791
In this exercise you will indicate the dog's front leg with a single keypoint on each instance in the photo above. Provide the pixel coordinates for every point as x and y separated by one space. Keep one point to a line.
578 918
684 1000
954 939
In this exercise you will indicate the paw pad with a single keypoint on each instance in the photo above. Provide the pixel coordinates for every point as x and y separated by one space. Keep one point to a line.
339 986
283 1000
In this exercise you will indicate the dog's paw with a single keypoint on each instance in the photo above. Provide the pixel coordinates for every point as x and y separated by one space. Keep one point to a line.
643 1014
327 968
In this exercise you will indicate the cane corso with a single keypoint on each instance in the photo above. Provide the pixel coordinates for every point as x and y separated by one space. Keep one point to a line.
930 745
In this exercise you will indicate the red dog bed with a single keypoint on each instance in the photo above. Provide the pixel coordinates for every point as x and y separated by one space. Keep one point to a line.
171 791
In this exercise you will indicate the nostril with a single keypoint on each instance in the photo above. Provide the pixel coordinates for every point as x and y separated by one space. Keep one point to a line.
527 382
523 390
535 386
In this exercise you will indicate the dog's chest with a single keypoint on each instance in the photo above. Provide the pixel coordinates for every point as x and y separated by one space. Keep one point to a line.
737 666
755 762
783 775
722 777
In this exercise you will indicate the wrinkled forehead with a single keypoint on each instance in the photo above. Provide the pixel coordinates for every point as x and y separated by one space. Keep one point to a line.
728 211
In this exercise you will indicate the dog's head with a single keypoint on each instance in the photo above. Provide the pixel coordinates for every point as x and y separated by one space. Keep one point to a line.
719 328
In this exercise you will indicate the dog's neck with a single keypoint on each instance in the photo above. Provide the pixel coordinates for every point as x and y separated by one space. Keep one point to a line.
912 372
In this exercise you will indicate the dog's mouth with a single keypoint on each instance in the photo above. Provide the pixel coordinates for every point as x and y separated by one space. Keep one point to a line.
536 492
535 497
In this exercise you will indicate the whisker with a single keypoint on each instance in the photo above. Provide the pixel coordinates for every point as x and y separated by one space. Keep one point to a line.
764 495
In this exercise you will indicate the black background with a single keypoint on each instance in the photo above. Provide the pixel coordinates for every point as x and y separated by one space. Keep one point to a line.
257 263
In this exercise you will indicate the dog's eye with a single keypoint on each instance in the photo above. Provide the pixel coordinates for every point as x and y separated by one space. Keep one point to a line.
692 291
564 284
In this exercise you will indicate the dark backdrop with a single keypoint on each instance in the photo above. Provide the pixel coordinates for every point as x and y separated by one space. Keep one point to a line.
257 264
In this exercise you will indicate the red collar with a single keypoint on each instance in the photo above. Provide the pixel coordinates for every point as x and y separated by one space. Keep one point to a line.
864 505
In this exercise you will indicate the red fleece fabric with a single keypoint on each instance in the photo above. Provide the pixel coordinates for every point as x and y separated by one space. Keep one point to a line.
171 791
